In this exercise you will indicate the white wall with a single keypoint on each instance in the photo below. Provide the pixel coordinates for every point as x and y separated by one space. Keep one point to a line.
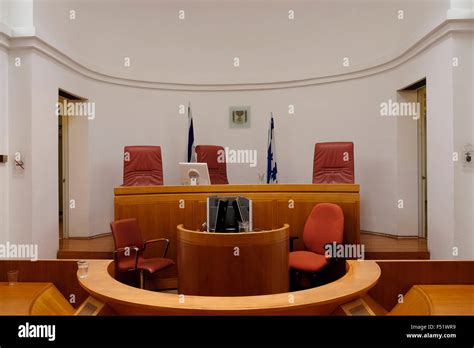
4 167
16 17
3 11
44 161
20 137
201 48
463 133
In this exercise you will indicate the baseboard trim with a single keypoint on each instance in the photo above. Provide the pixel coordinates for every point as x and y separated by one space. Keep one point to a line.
394 236
91 237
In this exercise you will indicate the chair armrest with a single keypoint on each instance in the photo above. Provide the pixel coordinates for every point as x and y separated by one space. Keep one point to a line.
292 239
123 250
165 240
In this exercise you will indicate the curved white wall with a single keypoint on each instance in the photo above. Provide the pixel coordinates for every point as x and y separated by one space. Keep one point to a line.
200 49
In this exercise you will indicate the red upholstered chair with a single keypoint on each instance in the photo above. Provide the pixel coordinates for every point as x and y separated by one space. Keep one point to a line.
333 163
129 247
324 225
142 166
217 170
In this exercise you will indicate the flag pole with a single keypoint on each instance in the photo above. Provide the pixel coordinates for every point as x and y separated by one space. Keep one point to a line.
271 160
190 148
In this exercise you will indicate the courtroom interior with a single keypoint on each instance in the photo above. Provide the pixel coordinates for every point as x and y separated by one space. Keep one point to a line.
243 157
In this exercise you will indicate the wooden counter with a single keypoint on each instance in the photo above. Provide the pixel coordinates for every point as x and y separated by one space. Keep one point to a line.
27 298
159 209
437 300
233 264
323 300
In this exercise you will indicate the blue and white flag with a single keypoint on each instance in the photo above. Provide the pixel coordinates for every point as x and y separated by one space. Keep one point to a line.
272 172
191 152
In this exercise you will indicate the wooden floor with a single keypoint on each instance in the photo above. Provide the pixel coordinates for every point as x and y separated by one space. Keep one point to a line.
376 248
92 248
379 247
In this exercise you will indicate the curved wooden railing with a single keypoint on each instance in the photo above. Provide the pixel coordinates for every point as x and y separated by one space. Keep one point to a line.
127 300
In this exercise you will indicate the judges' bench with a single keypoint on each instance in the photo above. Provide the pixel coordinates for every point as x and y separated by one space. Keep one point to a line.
159 209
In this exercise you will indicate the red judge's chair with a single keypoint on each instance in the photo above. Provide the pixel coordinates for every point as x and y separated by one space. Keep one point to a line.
142 166
129 247
324 225
333 163
210 154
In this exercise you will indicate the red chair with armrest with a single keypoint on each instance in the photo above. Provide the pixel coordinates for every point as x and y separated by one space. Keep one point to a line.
333 163
324 225
129 248
142 166
210 154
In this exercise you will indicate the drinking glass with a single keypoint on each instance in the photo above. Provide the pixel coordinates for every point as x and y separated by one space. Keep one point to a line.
12 277
243 226
83 267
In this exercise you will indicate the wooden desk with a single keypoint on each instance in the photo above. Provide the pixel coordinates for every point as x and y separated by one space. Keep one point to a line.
159 209
32 299
437 300
233 264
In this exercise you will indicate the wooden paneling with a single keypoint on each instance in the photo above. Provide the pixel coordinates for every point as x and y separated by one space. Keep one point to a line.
263 214
62 273
437 300
158 210
399 276
377 247
233 264
198 213
157 218
323 300
230 189
51 302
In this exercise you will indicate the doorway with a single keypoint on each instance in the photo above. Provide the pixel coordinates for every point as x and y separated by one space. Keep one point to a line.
417 93
63 162
422 167
63 168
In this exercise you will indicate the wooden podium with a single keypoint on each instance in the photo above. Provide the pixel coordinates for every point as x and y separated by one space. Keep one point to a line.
159 209
233 264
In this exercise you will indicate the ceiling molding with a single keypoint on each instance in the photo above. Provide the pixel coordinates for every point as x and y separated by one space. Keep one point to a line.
384 64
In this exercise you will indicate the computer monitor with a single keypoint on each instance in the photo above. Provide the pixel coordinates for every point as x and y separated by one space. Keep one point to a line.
194 173
225 213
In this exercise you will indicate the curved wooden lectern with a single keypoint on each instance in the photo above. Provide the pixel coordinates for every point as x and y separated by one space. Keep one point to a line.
233 264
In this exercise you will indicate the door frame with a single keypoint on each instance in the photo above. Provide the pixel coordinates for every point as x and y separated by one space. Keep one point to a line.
422 164
65 170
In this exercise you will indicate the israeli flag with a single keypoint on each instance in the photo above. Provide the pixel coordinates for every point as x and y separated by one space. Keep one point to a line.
191 152
272 172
